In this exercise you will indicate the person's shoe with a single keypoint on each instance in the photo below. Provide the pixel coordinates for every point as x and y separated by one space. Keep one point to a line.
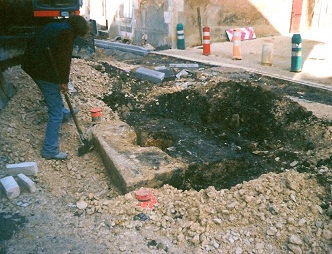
59 156
67 116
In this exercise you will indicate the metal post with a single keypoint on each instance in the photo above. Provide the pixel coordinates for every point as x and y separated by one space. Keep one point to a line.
296 60
180 36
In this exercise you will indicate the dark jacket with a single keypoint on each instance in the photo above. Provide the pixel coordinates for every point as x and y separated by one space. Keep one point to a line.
59 37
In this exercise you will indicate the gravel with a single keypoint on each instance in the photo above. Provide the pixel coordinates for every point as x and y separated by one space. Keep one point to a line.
77 210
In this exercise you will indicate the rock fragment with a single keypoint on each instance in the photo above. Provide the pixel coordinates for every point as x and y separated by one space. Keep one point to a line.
81 204
295 248
294 239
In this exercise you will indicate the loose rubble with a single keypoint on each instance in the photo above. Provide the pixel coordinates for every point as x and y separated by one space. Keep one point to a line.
75 208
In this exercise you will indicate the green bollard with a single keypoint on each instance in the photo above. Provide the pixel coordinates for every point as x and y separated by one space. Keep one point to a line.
296 61
180 36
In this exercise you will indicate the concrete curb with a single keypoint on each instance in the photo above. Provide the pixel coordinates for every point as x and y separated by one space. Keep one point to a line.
123 47
216 63
26 168
151 75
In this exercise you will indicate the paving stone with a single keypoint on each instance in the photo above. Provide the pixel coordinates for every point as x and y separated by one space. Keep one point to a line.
10 187
150 75
26 168
184 65
26 182
169 72
123 47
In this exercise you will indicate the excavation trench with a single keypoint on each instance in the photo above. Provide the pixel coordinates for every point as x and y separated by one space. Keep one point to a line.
211 162
226 132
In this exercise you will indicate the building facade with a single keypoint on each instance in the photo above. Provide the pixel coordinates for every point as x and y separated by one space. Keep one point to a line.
156 20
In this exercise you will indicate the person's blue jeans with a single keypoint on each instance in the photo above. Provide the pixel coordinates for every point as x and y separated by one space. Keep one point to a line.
52 94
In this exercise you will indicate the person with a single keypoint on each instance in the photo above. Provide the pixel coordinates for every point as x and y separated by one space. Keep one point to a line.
51 73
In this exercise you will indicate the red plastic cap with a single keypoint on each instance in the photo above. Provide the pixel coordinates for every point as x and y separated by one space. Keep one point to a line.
143 195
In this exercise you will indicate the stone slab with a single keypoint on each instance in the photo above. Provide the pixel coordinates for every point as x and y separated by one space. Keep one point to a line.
169 72
183 65
131 166
26 182
26 168
10 187
122 46
150 75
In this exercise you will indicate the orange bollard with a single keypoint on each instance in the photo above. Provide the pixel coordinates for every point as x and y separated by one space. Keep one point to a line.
206 41
236 44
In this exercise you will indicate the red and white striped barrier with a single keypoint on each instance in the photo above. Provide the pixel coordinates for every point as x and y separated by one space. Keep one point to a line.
206 41
247 33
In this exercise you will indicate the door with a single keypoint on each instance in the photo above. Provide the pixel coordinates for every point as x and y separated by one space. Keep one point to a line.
296 16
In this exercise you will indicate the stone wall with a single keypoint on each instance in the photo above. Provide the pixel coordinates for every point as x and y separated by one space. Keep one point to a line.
157 19
220 15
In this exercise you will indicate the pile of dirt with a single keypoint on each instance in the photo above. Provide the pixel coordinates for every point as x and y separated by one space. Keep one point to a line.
76 209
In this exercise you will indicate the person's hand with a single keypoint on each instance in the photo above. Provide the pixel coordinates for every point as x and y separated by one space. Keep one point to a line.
64 88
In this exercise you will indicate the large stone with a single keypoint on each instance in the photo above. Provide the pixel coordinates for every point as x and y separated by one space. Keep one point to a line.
10 187
26 168
150 75
131 166
26 182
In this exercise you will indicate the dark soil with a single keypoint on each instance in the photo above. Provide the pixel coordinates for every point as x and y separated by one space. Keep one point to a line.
9 224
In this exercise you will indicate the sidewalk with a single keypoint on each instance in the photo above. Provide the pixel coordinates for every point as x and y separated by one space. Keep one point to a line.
316 58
